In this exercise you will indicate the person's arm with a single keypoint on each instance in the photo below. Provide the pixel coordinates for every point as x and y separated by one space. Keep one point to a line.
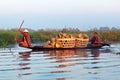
15 39
20 30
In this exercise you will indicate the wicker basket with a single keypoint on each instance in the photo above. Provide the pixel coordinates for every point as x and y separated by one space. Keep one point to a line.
66 43
81 42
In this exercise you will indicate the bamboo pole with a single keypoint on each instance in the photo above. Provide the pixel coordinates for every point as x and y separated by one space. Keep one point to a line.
18 30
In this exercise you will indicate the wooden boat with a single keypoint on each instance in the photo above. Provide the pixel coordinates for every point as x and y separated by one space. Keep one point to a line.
67 42
42 48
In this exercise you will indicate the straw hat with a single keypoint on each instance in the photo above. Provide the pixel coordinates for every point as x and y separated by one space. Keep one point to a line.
25 30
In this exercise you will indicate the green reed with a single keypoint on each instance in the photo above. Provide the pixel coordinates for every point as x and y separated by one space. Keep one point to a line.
7 36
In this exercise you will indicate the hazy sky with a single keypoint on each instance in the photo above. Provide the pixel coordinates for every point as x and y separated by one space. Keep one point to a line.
38 14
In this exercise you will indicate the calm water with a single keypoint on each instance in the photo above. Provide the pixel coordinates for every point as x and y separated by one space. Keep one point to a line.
97 64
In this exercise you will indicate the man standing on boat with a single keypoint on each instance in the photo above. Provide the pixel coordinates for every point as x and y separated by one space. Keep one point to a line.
96 40
25 41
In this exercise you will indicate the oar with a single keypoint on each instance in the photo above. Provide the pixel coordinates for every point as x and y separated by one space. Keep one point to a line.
19 29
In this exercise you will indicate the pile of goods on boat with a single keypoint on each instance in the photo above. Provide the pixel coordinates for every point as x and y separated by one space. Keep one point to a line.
63 40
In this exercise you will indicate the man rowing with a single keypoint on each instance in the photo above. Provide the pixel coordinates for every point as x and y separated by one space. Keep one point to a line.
25 41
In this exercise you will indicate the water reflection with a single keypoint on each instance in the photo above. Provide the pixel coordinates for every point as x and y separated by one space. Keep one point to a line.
95 52
24 60
25 55
67 53
63 56
60 65
63 59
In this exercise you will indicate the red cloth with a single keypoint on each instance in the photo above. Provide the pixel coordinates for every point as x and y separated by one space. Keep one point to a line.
26 38
95 40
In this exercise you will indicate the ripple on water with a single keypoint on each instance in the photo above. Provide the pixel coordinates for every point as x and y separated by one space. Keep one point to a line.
60 65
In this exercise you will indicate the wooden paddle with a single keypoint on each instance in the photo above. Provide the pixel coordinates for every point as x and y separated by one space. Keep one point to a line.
18 30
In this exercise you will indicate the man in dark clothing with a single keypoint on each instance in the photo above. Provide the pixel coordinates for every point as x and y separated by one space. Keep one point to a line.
95 39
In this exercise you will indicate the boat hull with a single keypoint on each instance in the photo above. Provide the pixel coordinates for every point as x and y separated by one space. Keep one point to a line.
42 48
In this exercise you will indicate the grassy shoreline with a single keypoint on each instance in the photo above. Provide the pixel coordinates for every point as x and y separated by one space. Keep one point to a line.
7 36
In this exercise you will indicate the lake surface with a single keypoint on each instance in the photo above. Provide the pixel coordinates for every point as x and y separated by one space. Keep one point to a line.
97 64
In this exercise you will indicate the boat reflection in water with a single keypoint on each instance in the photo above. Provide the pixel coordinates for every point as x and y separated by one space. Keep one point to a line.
25 55
67 53
56 64
95 52
24 63
80 64
64 56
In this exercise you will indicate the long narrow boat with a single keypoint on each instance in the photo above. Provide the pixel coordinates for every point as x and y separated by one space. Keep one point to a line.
42 48
67 42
